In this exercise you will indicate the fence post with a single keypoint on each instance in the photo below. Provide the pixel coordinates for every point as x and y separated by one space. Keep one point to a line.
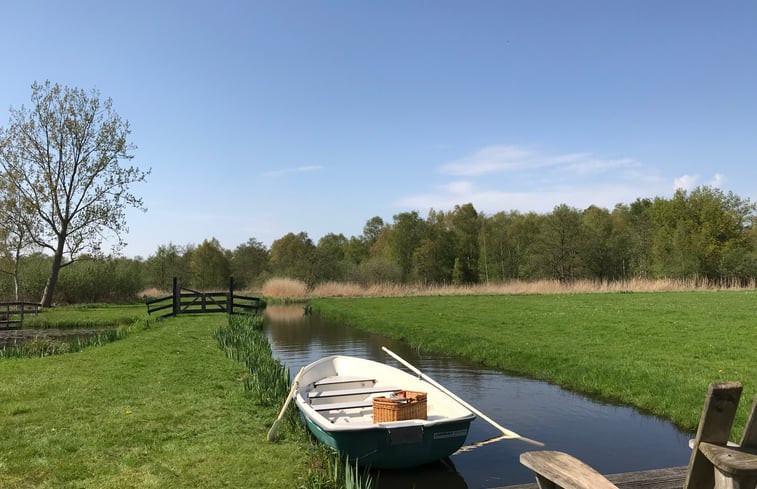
230 301
176 297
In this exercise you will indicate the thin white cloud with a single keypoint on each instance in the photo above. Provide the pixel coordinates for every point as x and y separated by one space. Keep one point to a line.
590 164
689 182
685 182
289 171
503 178
717 181
491 159
503 159
605 195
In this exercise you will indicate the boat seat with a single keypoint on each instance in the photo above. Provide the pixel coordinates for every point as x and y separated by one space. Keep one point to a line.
351 392
333 406
342 380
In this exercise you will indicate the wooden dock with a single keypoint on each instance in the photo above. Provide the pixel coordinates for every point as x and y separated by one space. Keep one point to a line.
672 478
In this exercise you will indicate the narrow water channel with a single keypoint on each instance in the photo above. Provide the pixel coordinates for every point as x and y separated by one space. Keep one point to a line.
610 438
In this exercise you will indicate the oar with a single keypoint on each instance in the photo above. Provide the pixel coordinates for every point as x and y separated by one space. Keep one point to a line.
507 433
275 427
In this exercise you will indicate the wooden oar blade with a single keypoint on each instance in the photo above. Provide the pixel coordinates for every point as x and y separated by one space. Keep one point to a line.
275 427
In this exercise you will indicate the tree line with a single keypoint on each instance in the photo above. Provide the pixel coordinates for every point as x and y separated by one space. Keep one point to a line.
704 234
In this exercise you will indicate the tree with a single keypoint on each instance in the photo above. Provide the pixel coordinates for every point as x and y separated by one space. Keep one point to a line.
329 263
466 225
249 262
434 256
14 237
169 261
64 157
209 265
292 256
558 246
699 233
406 234
602 253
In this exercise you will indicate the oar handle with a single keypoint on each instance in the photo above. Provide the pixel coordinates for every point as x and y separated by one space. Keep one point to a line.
505 431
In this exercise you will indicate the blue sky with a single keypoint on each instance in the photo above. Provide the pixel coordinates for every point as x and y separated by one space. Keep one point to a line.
260 118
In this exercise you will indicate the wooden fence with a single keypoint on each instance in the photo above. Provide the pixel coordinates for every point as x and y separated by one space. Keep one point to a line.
12 313
188 301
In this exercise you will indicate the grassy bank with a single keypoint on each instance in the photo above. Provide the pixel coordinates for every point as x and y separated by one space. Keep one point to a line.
163 407
87 316
657 351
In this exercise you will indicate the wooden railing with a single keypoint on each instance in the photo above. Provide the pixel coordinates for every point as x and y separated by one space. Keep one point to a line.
188 301
12 313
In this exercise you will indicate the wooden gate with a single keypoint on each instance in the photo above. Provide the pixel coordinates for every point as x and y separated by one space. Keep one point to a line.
188 301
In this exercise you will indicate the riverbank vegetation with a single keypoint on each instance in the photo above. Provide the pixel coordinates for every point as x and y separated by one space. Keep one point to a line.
657 351
162 407
706 237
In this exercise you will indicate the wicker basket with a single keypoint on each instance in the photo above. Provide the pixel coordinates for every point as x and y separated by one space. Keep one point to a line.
404 405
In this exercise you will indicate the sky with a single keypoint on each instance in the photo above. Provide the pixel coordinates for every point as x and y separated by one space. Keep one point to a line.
260 118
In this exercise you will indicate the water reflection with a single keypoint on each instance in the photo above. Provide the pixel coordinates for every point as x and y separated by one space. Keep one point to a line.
610 438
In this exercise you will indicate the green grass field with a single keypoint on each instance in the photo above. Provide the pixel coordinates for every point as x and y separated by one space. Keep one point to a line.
164 408
657 351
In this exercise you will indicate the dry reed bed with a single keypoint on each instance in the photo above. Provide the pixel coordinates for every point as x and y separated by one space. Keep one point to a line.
285 288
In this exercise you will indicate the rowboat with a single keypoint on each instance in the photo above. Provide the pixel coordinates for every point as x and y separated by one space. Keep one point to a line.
335 397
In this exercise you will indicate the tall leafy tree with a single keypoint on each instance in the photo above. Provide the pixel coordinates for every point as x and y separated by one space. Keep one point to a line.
434 257
695 232
292 256
169 261
602 253
407 232
558 246
330 257
466 226
66 157
210 265
249 261
15 238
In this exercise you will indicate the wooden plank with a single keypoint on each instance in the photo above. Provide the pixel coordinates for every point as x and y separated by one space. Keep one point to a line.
558 469
336 406
714 427
351 392
342 380
749 439
668 478
732 460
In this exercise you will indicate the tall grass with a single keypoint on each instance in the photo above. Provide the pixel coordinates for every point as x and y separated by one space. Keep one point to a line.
285 288
267 379
294 289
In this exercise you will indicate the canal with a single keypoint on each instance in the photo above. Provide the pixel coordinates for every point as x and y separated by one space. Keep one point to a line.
608 437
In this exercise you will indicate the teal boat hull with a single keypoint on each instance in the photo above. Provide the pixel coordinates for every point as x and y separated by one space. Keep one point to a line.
394 447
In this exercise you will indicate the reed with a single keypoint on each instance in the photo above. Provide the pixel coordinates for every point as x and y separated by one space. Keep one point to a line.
266 379
330 471
285 288
351 289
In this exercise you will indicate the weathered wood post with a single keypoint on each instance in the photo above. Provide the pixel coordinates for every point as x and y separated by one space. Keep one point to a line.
176 297
230 300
